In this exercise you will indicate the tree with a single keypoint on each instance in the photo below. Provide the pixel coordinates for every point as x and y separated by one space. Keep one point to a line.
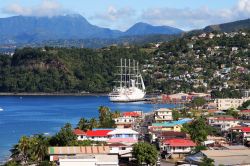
40 147
232 112
24 146
198 102
145 153
83 124
176 115
116 114
65 137
244 105
93 123
105 117
197 129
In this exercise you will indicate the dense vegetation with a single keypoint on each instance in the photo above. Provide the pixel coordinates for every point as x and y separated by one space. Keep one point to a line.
63 70
192 63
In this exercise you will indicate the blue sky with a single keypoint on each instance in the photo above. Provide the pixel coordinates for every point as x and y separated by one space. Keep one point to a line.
121 14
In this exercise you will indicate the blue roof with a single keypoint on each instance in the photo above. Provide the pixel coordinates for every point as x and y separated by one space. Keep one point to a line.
173 123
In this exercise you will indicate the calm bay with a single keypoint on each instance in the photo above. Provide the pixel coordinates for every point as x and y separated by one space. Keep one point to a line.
29 115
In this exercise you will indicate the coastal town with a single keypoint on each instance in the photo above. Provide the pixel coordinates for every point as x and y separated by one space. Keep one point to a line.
198 130
145 84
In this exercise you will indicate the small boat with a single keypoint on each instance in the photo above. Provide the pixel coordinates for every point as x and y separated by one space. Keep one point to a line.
1 109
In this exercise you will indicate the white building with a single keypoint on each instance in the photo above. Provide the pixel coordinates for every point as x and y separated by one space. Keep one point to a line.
163 115
177 148
223 123
123 150
225 104
93 135
81 135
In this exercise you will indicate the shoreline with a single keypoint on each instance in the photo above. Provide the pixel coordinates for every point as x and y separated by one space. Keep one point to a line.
51 94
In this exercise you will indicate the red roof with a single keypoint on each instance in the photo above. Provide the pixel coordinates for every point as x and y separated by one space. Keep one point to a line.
79 132
226 119
132 114
179 142
98 133
245 111
245 129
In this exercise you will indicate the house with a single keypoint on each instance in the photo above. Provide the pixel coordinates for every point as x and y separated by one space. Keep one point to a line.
93 135
98 134
245 114
127 136
83 155
124 122
245 131
223 123
169 126
215 141
245 92
162 135
123 150
81 135
177 148
128 119
163 115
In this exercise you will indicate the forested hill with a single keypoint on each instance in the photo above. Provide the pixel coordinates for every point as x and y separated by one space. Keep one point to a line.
63 70
210 61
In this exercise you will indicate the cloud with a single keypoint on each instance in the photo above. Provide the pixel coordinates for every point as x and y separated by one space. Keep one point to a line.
114 17
187 18
46 8
114 14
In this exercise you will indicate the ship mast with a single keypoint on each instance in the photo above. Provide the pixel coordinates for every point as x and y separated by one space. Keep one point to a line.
128 72
137 75
121 74
125 73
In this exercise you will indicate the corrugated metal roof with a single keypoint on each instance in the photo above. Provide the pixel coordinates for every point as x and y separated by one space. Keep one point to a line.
79 150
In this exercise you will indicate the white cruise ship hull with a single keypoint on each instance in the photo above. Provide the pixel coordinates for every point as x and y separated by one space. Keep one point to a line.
127 95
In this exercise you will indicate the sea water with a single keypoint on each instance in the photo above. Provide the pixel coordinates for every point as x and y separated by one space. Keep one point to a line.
28 115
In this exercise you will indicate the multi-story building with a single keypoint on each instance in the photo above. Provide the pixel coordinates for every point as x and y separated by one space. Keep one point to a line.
225 104
127 136
223 123
245 92
177 148
163 115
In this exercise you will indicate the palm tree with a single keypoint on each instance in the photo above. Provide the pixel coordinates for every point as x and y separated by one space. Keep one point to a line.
83 124
40 148
116 114
93 123
24 145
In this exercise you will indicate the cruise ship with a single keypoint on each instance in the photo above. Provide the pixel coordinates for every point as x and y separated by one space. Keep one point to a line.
131 86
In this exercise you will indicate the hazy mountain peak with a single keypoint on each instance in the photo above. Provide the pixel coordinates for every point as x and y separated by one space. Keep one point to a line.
28 29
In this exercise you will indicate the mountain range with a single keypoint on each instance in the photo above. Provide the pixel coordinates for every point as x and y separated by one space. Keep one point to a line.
27 29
